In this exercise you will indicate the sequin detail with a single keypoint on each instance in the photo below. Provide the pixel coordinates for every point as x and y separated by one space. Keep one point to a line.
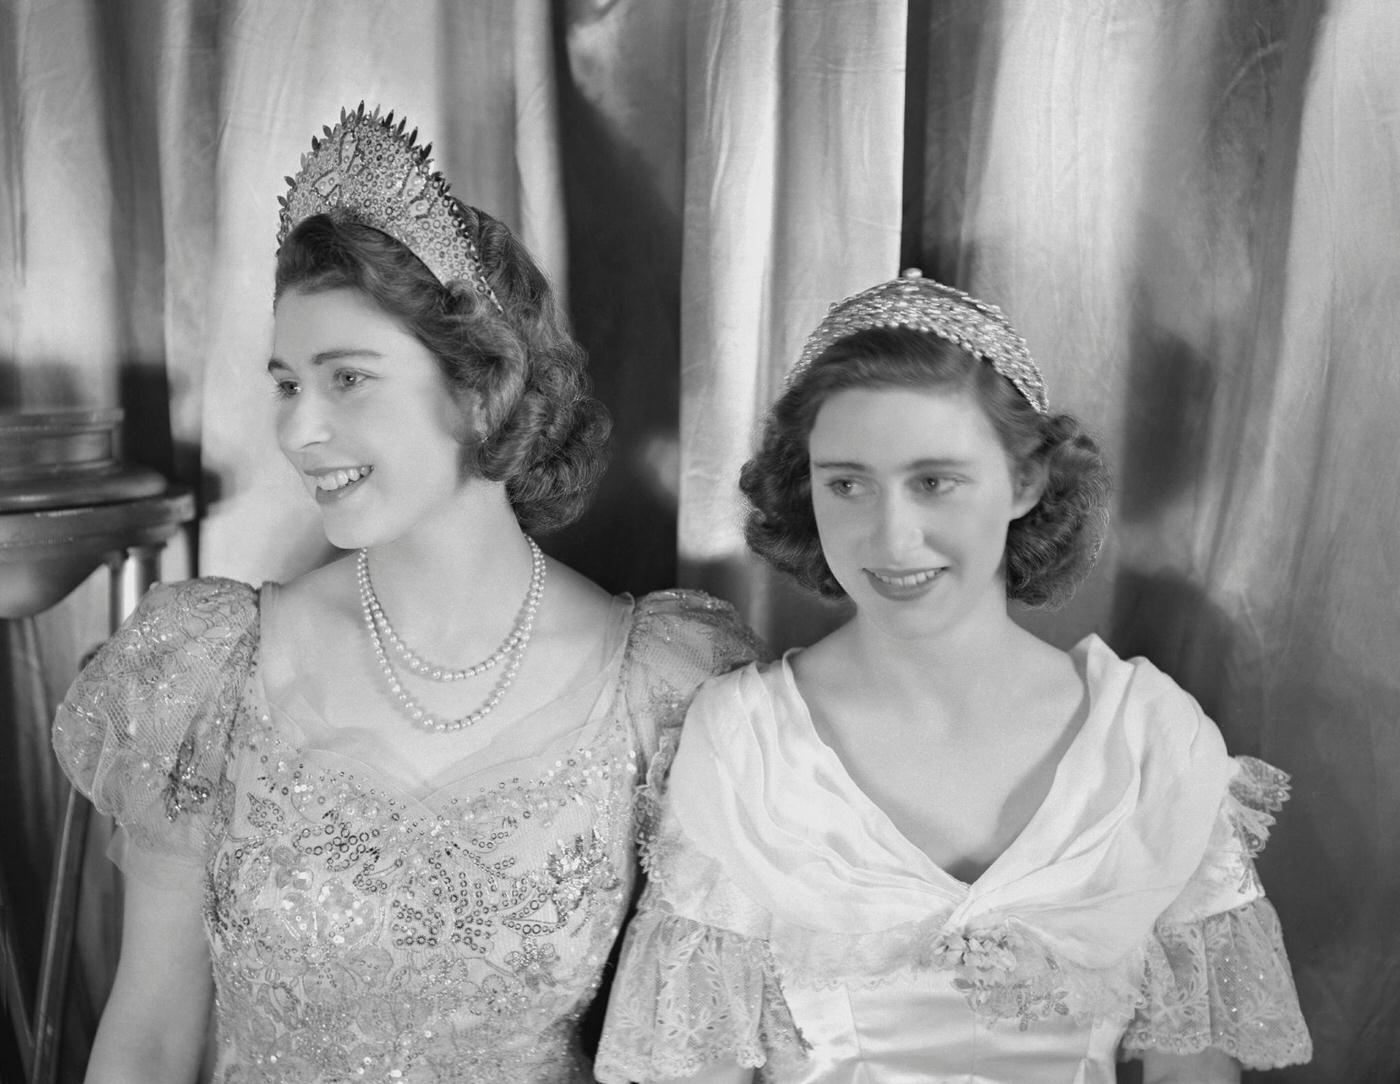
357 933
381 936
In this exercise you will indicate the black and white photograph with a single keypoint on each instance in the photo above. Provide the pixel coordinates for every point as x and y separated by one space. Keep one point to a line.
717 541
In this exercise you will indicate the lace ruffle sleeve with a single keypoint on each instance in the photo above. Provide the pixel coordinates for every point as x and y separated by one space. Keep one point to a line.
696 983
689 995
1216 970
144 729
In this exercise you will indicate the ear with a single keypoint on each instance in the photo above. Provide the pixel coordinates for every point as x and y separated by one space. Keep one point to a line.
1029 480
467 404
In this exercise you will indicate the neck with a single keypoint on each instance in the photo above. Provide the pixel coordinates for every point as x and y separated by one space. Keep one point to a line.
954 667
456 582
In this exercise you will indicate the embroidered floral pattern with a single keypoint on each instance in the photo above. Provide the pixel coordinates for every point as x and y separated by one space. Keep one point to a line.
534 964
185 790
712 995
1222 982
487 915
356 933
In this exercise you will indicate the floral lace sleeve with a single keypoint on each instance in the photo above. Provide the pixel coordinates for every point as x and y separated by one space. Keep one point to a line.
143 730
1217 974
678 639
690 995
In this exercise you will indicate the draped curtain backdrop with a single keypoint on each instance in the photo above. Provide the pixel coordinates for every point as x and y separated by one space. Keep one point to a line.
1190 208
1187 206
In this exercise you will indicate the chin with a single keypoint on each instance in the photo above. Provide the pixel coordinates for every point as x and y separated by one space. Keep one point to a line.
924 627
346 534
920 619
343 540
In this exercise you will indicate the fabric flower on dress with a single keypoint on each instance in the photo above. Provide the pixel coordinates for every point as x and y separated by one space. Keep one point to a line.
1002 975
577 871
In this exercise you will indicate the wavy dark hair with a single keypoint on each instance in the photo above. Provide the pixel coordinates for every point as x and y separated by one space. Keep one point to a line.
538 429
1049 550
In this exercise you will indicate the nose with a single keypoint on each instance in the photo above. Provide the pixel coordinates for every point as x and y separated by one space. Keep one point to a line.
899 526
302 422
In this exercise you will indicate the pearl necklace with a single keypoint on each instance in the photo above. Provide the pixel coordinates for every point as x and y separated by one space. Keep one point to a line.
511 651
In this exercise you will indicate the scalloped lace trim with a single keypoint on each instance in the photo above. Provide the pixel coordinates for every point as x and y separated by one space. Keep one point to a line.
689 996
1222 982
1256 793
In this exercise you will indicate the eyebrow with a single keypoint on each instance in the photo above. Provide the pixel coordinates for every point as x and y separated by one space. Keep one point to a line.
334 354
916 465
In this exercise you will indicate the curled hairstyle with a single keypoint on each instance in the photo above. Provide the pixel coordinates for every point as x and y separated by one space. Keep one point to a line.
1049 550
536 426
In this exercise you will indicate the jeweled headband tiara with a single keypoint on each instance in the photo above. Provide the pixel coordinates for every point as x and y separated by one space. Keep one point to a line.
921 304
367 170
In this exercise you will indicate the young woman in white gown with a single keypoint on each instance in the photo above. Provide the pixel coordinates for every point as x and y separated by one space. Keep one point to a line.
931 846
382 815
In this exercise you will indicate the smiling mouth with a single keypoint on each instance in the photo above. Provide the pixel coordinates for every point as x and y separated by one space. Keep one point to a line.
908 580
335 480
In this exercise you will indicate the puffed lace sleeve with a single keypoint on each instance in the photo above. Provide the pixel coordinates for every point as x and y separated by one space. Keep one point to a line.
1217 974
696 983
144 729
677 640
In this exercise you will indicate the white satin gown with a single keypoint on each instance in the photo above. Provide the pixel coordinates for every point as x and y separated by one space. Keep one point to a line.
789 925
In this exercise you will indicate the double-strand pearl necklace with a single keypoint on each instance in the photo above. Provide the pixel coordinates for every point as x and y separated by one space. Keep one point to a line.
511 651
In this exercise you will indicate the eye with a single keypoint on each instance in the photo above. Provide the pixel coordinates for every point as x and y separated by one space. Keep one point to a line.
936 485
285 389
349 378
844 487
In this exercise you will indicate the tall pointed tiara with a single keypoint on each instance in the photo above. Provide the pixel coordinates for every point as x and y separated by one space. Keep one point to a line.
367 169
914 302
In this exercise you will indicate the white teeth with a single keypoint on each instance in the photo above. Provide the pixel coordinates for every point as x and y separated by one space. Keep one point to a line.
914 579
339 479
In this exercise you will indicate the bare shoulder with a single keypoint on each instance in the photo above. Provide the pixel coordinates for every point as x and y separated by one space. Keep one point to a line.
325 592
1046 669
577 605
575 633
1037 684
826 669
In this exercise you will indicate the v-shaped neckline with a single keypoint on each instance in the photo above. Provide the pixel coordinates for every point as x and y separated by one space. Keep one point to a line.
876 813
432 798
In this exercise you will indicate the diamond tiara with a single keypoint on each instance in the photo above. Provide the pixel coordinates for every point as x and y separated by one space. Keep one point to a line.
366 169
912 301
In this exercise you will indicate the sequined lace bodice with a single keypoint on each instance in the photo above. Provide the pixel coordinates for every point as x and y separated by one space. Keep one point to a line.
361 932
465 933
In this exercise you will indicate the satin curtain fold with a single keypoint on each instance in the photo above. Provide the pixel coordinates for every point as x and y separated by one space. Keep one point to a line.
792 200
1189 209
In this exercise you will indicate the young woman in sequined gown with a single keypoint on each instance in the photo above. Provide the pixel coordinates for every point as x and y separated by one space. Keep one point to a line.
932 846
382 817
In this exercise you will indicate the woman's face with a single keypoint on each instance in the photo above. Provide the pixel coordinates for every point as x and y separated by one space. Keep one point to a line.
913 493
365 416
